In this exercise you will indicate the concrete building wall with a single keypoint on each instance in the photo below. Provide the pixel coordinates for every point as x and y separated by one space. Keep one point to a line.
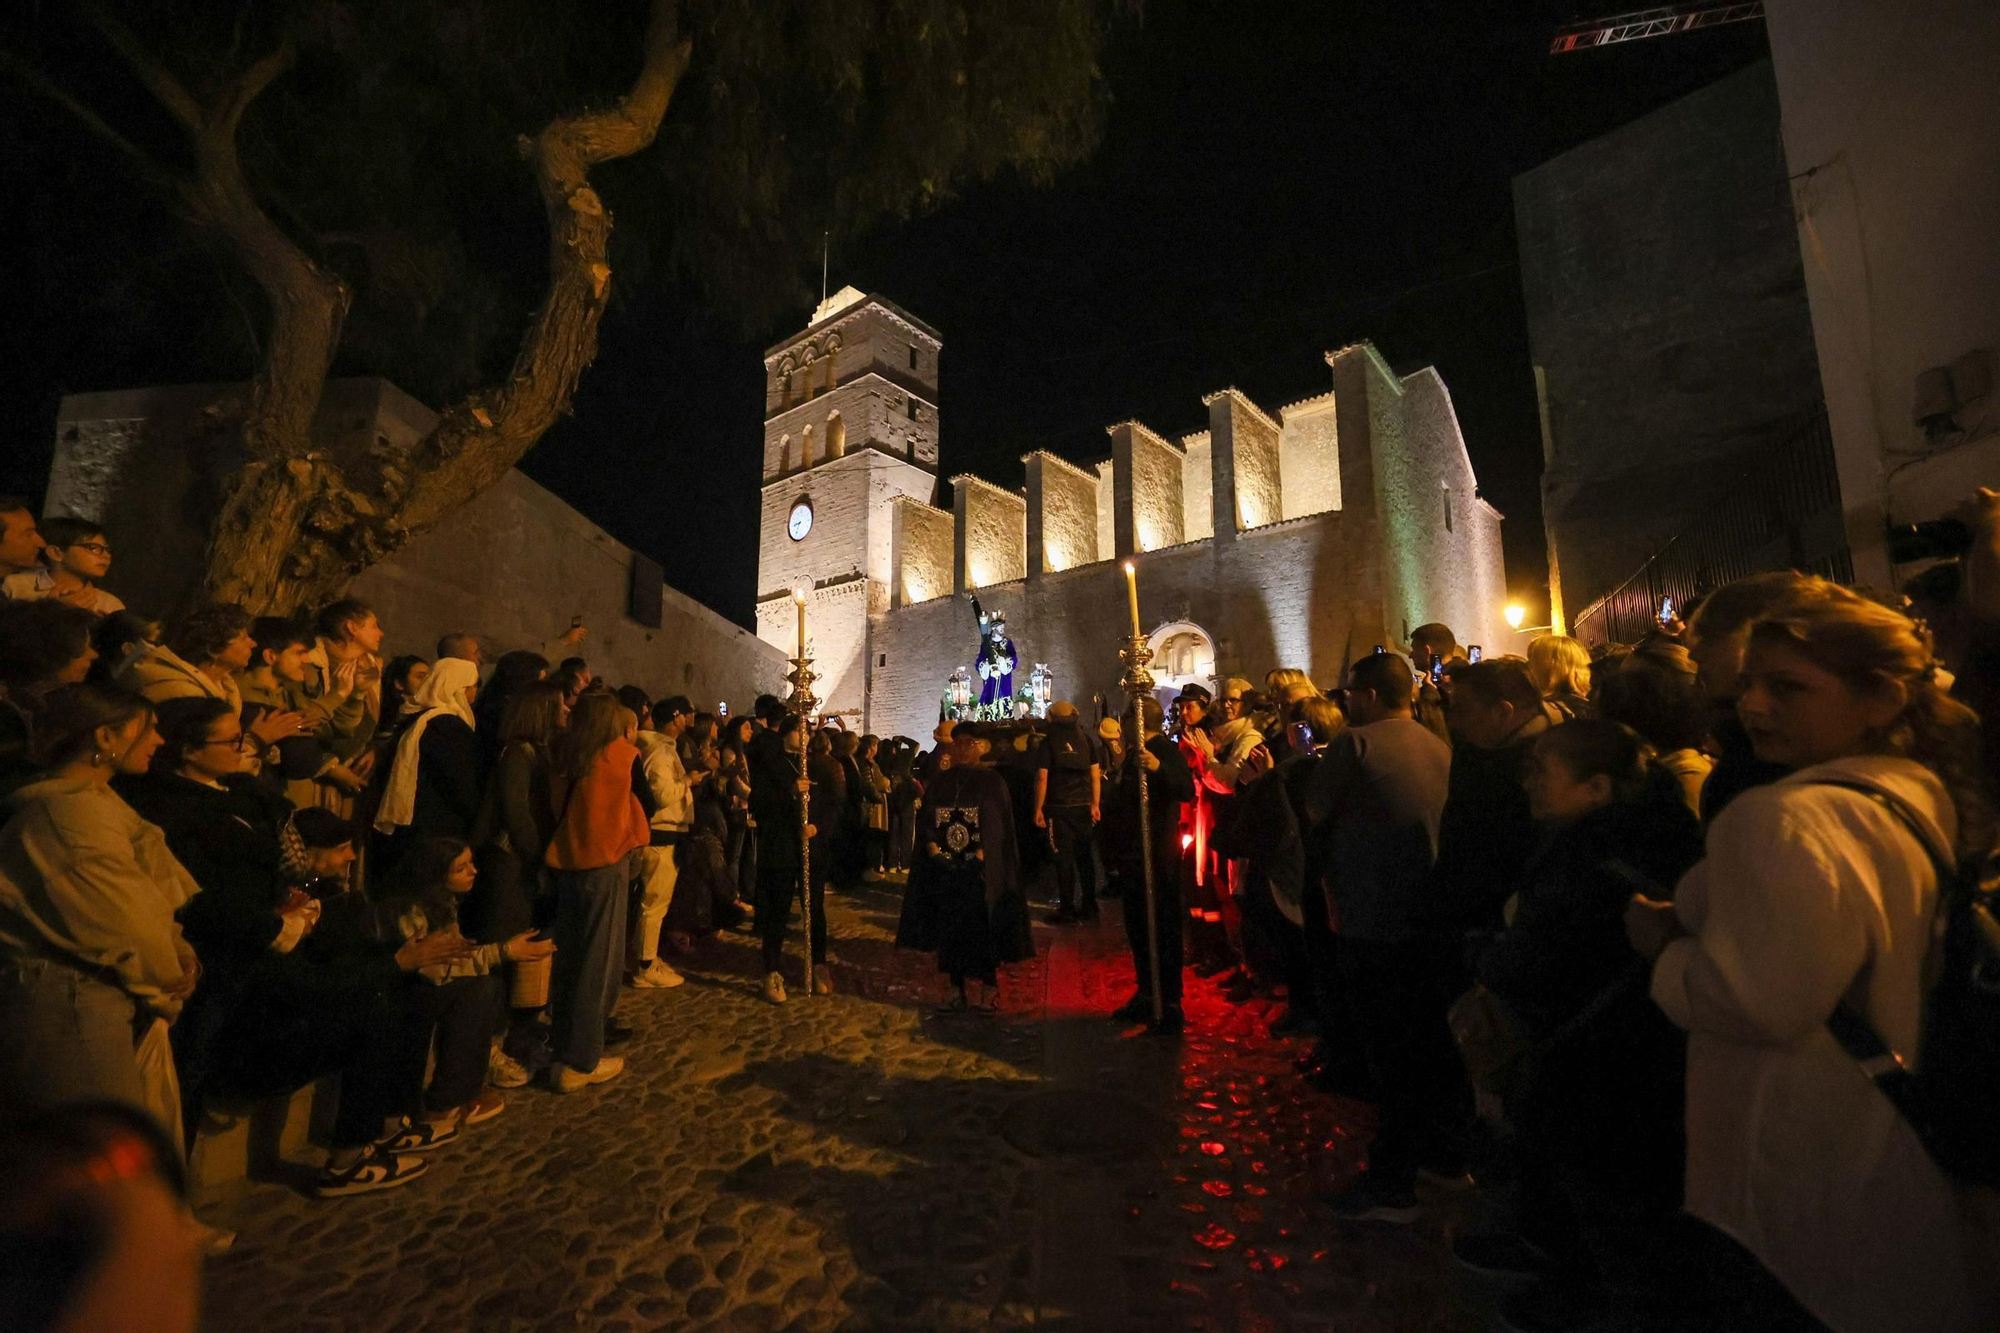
924 552
1147 471
511 565
1667 316
1197 487
1062 515
1891 117
1309 457
992 533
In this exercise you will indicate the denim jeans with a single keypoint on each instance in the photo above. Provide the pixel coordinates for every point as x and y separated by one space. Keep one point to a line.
67 1037
590 954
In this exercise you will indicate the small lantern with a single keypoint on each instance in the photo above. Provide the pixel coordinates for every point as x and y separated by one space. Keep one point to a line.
958 694
1041 689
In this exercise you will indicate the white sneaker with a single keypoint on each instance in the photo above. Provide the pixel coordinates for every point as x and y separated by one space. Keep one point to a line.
656 975
565 1079
504 1071
774 987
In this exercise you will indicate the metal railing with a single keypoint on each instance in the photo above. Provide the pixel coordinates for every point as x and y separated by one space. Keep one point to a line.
1776 507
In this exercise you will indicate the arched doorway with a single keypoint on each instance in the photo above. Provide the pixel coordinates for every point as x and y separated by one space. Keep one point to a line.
1183 654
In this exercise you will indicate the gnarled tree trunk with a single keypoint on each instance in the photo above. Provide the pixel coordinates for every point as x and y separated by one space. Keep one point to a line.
294 524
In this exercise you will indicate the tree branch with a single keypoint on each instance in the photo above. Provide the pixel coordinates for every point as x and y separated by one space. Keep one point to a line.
142 163
167 90
478 439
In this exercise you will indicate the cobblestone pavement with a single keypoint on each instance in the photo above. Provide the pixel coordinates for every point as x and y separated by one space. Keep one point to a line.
862 1162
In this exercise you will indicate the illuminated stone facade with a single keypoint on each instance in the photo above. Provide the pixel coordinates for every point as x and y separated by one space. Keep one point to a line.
1303 537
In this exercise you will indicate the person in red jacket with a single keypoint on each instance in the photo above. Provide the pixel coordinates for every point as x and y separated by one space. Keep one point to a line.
591 856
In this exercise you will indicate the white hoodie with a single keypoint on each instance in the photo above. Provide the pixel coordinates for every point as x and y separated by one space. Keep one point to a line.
660 760
1809 894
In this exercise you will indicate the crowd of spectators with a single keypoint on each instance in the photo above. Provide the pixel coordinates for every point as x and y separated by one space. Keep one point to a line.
1594 931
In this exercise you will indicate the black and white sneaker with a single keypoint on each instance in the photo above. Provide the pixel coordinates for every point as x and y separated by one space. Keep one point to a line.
373 1170
418 1136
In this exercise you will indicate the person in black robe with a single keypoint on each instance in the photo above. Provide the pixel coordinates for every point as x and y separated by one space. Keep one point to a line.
964 900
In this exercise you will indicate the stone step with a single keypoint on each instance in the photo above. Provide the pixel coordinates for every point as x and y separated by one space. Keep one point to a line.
239 1141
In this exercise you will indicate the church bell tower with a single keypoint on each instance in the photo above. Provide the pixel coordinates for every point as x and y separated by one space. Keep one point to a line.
850 423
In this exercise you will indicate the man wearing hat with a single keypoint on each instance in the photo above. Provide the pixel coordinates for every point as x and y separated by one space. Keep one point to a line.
1069 781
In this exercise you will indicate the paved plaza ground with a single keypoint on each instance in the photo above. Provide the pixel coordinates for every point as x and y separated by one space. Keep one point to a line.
863 1162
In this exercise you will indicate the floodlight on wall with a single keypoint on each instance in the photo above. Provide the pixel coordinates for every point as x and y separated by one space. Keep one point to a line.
1516 614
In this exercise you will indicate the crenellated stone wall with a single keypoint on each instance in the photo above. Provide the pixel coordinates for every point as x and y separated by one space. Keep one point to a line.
1247 437
924 551
1197 488
1309 456
1062 514
1149 513
992 533
1299 539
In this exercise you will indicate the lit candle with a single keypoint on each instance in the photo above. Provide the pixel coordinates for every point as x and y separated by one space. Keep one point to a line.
800 595
1132 594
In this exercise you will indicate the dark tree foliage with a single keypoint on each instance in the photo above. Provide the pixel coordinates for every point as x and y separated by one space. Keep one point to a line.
279 190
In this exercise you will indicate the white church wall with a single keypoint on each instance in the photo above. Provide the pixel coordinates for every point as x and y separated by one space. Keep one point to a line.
1309 457
923 538
1107 506
1464 578
1149 510
1255 598
1197 487
1253 457
992 532
1062 513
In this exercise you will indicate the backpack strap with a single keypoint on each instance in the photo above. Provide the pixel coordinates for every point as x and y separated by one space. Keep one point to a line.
1863 1044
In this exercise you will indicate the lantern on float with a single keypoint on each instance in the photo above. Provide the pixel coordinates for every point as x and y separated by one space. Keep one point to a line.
1041 689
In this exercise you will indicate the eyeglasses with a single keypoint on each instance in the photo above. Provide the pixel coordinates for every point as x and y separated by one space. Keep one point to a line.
95 548
234 742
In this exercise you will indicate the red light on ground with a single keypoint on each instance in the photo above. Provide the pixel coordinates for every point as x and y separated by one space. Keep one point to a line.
1213 1149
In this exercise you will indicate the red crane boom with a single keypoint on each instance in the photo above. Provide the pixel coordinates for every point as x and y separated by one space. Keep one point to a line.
1661 22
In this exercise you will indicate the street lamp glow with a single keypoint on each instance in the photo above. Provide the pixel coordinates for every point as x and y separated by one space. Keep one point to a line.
1516 615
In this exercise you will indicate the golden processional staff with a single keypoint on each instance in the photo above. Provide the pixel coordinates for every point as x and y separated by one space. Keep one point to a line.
1137 684
803 703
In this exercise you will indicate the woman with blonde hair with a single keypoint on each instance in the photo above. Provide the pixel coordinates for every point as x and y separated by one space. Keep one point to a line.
1818 894
1560 668
590 859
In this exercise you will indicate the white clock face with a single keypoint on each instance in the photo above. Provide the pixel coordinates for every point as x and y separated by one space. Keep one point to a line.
801 521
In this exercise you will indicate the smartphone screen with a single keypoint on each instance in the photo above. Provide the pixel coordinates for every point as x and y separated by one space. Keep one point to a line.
1379 648
1474 653
1437 670
722 709
1666 609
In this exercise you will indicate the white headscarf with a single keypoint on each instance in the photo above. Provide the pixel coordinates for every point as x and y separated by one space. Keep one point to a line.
441 695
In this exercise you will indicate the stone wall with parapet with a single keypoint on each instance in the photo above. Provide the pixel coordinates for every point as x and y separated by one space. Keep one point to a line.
512 565
992 532
1062 515
1255 596
924 539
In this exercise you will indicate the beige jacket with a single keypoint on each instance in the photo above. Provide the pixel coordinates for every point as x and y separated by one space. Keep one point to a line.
85 880
161 674
1809 894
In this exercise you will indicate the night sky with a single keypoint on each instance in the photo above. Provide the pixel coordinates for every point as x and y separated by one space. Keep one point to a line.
1274 181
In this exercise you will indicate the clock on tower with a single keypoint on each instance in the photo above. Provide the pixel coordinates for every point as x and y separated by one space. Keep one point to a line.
801 521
